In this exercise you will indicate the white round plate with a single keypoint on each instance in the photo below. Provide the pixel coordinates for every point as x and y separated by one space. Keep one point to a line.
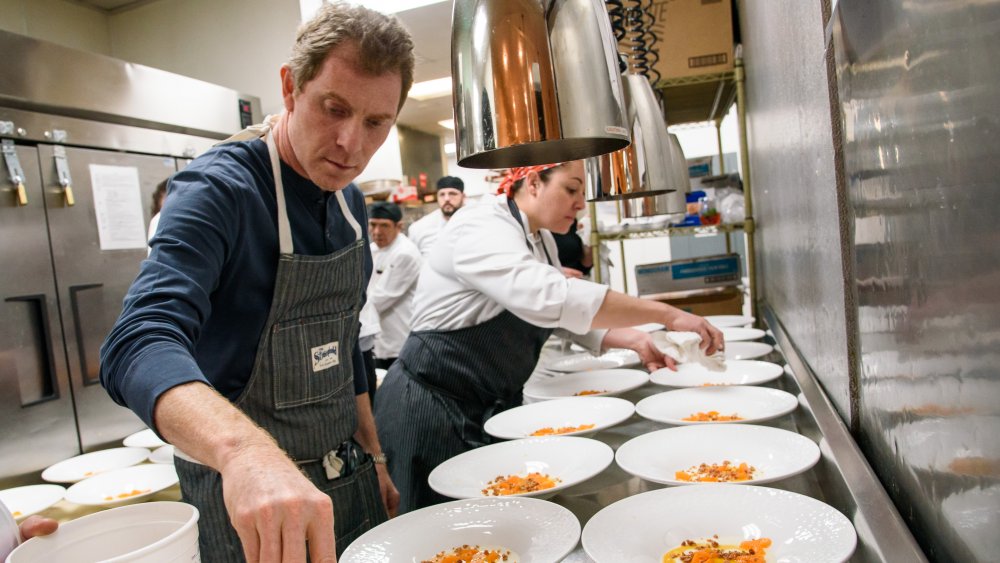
148 478
143 439
736 334
747 350
535 531
586 362
737 372
658 456
522 422
753 404
572 460
650 327
163 454
611 381
642 528
729 320
88 465
25 501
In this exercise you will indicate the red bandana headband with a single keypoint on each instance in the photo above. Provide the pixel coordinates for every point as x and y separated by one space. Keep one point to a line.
519 173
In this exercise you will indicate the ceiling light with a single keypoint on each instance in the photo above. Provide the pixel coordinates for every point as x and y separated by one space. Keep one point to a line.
447 124
431 89
449 148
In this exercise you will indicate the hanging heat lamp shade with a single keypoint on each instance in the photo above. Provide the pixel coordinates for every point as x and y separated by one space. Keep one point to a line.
534 82
649 176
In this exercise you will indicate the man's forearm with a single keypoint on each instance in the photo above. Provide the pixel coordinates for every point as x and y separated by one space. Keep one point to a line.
206 426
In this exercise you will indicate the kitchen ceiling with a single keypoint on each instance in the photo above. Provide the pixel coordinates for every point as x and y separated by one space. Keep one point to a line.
431 30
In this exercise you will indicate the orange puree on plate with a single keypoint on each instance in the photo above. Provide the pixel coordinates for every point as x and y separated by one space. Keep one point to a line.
515 484
711 551
549 431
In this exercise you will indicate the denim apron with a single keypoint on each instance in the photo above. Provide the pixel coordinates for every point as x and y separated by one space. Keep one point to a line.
436 398
301 389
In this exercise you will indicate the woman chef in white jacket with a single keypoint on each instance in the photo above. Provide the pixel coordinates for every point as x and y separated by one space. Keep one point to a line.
487 299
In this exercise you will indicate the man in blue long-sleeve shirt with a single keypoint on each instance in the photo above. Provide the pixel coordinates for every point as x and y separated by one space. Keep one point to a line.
238 339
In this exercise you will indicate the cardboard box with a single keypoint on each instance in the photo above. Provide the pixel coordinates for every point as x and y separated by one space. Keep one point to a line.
719 301
690 273
694 37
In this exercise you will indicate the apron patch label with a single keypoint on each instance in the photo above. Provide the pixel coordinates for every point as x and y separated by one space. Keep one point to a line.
325 356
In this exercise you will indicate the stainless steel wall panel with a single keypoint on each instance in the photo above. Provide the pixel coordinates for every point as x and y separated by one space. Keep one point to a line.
36 403
795 189
918 85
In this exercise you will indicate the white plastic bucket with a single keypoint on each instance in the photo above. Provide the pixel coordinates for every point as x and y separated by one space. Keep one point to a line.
152 532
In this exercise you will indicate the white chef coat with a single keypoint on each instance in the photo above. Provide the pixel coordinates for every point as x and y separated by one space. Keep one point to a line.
424 232
482 266
391 289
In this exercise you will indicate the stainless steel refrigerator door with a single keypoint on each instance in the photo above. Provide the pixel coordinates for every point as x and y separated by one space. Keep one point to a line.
36 404
92 282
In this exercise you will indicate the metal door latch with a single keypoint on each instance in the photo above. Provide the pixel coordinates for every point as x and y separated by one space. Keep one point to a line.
14 170
62 169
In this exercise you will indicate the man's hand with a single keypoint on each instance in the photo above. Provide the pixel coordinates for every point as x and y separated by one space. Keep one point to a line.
642 343
712 340
390 496
37 526
276 509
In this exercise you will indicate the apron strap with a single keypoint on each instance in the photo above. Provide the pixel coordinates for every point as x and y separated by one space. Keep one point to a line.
285 244
348 215
517 217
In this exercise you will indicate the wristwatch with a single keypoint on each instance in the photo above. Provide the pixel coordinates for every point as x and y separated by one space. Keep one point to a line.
380 458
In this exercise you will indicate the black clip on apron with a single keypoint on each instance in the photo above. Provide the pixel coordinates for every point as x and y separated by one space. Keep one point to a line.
462 378
301 389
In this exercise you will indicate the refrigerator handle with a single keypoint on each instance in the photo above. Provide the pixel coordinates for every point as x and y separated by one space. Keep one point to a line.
50 388
14 170
78 328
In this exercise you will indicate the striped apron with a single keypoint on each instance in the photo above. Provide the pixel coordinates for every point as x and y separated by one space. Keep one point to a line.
438 395
301 389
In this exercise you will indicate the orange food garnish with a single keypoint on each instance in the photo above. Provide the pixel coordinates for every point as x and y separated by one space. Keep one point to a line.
515 484
715 384
470 554
712 416
716 473
88 474
589 392
17 513
711 551
549 431
131 493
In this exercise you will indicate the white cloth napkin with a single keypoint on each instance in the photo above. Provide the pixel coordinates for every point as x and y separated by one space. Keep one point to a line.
684 347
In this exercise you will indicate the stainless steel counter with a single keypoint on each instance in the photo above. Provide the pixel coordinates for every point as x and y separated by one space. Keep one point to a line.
842 478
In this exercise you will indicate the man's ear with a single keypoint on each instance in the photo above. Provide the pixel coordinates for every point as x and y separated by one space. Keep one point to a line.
287 87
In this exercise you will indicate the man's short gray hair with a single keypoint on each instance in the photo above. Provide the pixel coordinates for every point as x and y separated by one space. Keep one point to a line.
383 44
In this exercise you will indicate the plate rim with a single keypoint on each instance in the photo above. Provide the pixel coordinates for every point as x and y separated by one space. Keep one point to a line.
130 499
50 469
446 506
570 374
778 374
706 489
814 458
547 492
597 428
550 364
46 486
793 404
